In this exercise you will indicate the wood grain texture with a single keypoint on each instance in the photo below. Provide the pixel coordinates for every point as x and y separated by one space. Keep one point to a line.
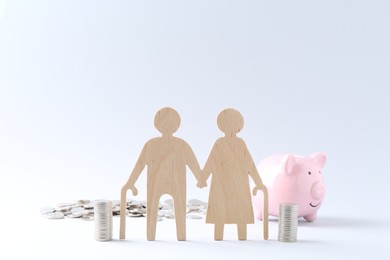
166 158
231 165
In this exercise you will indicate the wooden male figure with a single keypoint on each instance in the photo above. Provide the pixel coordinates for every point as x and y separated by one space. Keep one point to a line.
166 158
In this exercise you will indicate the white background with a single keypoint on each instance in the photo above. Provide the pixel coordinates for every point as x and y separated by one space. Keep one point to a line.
80 82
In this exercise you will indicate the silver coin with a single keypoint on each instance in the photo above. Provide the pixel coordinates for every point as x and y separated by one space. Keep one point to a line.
165 212
170 216
75 215
63 209
77 209
195 202
54 215
88 212
169 202
193 216
46 210
66 213
89 205
116 208
193 207
87 217
116 203
64 205
136 215
167 207
83 202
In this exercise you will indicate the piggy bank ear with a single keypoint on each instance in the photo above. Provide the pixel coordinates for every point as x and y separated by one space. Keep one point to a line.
288 164
320 158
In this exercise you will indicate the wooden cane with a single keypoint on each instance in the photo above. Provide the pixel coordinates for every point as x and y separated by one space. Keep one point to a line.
122 231
265 213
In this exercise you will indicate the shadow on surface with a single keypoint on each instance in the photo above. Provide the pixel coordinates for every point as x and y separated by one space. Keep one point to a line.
338 222
346 222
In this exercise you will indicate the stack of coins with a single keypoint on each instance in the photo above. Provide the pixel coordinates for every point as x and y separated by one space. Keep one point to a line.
103 220
288 222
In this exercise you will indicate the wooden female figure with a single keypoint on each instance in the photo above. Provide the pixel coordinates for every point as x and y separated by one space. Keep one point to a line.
231 164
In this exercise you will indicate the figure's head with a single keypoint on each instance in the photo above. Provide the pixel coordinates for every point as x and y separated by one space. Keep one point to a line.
230 121
167 121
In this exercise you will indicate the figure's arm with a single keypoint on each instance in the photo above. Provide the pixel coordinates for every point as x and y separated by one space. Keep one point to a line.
193 164
253 172
207 170
138 168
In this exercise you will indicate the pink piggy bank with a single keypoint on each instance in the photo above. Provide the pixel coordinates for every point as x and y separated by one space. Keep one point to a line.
292 179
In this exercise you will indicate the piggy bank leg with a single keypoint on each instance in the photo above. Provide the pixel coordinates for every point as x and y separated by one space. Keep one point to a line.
311 218
259 214
258 202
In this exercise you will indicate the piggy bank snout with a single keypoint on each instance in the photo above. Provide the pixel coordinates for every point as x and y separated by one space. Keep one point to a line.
318 190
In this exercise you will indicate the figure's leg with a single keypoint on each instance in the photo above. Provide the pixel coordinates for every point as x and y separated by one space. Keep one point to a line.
218 231
179 201
241 228
151 217
311 218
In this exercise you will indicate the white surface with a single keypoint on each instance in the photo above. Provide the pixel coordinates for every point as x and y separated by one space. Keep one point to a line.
331 237
80 82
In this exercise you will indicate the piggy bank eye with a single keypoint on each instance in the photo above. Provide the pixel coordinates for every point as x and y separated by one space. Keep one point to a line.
319 172
309 172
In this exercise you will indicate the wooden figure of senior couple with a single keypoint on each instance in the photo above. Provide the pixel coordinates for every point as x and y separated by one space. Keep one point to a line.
229 163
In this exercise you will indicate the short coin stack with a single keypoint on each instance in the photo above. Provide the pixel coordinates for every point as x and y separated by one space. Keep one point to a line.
103 220
288 222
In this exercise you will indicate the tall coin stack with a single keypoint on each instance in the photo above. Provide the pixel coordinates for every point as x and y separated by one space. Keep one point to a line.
288 222
103 220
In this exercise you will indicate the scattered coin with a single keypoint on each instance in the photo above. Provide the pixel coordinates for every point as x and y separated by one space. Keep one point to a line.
195 202
77 209
169 202
88 205
54 215
64 205
170 216
75 215
47 210
83 202
134 215
193 216
88 217
63 209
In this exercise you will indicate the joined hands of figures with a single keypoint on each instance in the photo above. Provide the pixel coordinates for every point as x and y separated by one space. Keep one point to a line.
201 184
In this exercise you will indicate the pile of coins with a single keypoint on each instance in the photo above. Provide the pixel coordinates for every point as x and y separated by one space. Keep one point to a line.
84 209
103 220
288 222
81 209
